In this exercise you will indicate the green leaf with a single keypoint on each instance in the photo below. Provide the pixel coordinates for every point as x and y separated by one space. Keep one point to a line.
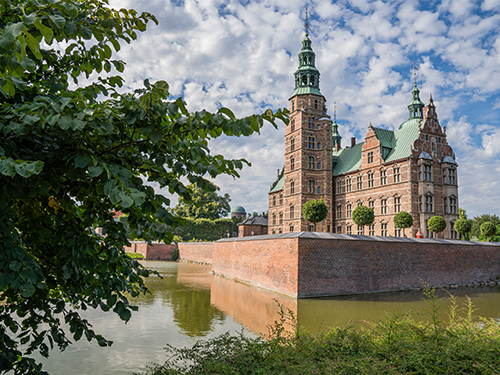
127 200
33 45
7 166
86 32
9 35
9 87
45 31
228 113
157 137
95 171
65 122
59 21
81 161
27 290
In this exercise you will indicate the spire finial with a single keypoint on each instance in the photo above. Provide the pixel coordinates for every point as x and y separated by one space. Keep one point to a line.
306 24
415 68
335 106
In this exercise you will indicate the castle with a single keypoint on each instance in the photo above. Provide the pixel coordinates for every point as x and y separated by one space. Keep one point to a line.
410 169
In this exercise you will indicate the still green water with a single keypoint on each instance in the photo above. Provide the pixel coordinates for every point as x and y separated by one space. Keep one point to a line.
189 304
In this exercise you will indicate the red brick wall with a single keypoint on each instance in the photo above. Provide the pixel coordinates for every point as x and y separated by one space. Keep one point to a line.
200 252
155 251
305 265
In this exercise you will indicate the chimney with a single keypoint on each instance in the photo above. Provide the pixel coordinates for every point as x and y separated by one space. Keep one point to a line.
263 214
353 141
336 147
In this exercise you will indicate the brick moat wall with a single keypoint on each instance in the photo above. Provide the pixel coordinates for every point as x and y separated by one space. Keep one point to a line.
155 251
200 252
321 264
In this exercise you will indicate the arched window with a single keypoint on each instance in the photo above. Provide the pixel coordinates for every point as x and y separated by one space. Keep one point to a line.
311 162
311 185
292 187
397 174
292 211
383 177
292 144
371 179
348 184
339 186
274 219
281 198
292 163
281 218
274 200
291 228
292 122
359 181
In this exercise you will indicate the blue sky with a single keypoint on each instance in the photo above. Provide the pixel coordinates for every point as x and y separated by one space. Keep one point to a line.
242 55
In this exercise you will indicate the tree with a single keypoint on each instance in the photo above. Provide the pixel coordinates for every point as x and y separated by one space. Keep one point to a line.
436 224
204 203
403 220
488 229
479 220
463 227
67 160
363 215
315 211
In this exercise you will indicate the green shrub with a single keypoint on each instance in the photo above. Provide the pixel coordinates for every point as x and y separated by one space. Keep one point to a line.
436 224
463 227
175 254
488 229
363 215
396 344
315 211
403 220
135 255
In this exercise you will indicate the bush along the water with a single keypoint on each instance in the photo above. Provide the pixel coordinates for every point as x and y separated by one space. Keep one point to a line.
397 344
135 255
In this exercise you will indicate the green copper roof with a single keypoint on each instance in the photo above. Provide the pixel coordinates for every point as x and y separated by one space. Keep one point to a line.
306 76
349 159
306 90
279 185
395 145
239 210
416 106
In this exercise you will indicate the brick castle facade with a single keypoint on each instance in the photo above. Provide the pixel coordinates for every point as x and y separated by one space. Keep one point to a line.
410 169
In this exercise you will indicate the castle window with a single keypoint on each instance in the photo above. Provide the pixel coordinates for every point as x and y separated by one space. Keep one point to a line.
292 163
319 165
359 182
397 233
371 230
291 228
281 198
348 210
426 137
339 229
428 233
453 233
397 174
348 229
319 189
383 230
274 200
280 231
371 179
292 144
328 228
428 203
371 204
292 212
348 184
310 143
293 106
311 185
439 140
310 228
383 177
445 205
370 157
311 162
319 146
451 176
292 187
383 206
453 205
274 219
273 232
361 230
397 204
339 186
339 211
281 218
420 172
427 173
292 124
312 81
310 123
360 203
315 104
420 204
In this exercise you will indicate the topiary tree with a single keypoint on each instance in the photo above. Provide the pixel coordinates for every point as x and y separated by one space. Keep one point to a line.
436 224
403 220
363 215
315 211
463 227
488 229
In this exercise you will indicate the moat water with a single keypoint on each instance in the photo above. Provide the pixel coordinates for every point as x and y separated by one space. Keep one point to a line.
190 304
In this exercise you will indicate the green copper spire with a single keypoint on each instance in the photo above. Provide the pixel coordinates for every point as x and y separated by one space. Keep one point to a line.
416 106
306 76
336 138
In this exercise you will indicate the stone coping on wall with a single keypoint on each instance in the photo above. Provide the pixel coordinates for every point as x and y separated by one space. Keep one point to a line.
335 236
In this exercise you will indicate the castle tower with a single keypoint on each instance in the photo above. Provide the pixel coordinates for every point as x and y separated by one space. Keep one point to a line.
308 147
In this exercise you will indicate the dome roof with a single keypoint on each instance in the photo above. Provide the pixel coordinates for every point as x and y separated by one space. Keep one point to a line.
239 209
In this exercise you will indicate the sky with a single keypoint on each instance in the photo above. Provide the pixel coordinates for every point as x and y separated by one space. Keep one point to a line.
242 55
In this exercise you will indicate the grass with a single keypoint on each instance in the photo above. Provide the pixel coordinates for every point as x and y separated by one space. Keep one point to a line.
397 344
135 255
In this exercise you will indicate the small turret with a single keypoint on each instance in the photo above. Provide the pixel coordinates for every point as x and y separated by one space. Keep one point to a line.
416 106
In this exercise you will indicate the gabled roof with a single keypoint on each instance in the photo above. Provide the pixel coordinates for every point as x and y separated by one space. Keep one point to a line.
278 186
255 220
398 144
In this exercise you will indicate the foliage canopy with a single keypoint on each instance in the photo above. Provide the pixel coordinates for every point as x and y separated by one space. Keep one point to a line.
363 215
204 203
403 220
436 224
463 226
67 160
479 220
315 211
488 229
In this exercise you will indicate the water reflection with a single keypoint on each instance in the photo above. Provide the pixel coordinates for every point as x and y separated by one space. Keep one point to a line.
190 303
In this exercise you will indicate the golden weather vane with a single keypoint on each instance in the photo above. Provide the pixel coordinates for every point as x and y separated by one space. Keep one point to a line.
415 68
307 23
335 106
